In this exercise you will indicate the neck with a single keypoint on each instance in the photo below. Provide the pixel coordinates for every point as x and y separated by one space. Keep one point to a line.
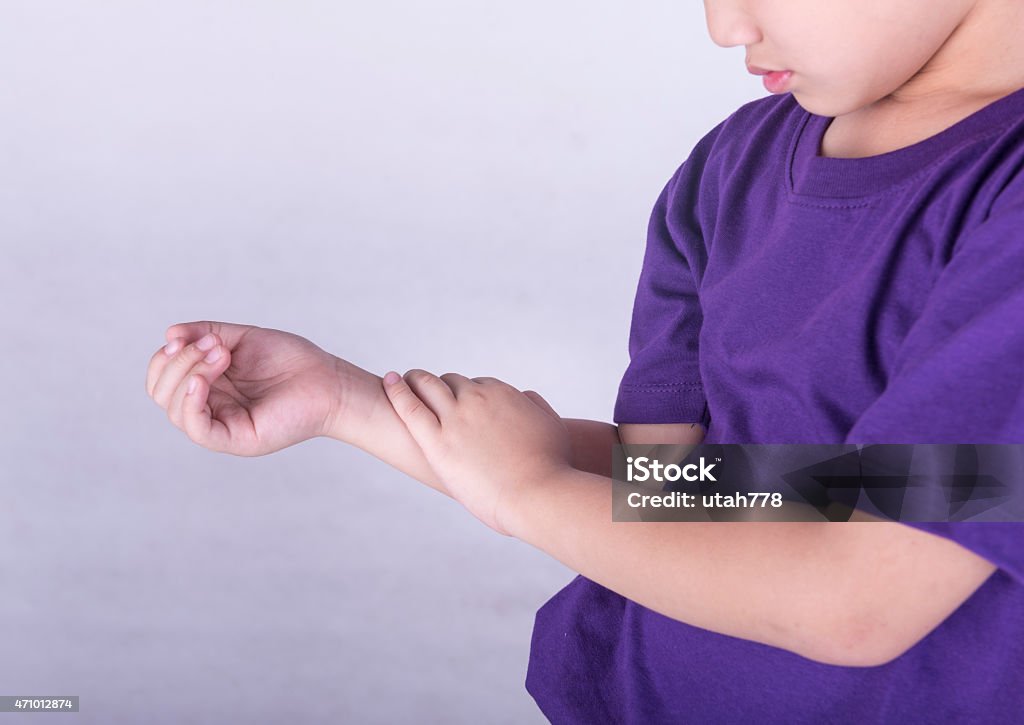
981 61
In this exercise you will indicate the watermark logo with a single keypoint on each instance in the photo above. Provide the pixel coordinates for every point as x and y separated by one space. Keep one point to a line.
818 482
643 469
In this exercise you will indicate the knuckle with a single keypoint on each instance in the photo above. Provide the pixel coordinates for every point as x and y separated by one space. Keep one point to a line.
154 359
414 406
189 356
450 380
401 395
156 366
193 435
417 374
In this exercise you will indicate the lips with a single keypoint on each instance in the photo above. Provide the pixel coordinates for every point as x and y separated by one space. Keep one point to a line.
777 81
762 71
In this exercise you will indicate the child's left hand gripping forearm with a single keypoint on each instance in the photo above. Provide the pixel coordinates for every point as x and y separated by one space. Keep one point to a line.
364 417
489 443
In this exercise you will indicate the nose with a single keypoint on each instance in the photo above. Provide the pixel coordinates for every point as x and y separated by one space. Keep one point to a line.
730 25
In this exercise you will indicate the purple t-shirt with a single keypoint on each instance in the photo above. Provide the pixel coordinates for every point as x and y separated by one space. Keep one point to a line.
787 297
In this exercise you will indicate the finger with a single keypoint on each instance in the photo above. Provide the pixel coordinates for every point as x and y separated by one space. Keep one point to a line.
536 398
184 361
228 333
159 361
423 425
432 390
215 421
183 333
459 384
209 371
197 416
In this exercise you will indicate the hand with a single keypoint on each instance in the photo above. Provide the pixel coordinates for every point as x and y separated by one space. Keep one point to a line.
268 389
487 441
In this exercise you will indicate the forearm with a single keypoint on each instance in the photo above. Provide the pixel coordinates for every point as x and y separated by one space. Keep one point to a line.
776 583
366 419
592 443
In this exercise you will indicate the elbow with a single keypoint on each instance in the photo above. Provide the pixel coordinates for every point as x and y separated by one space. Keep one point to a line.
863 640
851 638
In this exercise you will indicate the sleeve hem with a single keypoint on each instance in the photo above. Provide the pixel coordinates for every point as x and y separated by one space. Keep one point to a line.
662 403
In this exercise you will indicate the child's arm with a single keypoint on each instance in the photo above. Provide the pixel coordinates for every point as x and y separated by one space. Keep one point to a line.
852 594
269 389
366 419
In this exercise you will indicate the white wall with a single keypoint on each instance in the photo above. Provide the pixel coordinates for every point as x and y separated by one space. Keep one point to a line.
451 185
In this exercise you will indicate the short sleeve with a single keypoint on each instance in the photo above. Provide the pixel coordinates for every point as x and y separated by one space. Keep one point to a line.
662 382
959 376
999 542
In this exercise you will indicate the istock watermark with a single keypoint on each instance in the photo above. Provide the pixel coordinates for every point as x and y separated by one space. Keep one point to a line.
643 469
844 482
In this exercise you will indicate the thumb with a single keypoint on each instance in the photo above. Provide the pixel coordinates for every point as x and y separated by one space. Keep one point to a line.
197 416
229 333
423 425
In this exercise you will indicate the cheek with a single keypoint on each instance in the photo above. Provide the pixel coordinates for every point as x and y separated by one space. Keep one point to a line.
842 76
900 40
847 54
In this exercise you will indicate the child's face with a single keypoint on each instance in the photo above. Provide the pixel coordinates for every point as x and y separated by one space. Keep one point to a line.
844 54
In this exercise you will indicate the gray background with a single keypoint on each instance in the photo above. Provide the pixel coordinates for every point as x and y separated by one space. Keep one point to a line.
451 185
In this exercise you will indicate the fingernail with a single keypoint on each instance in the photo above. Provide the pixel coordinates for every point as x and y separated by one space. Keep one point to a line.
213 355
192 384
391 378
172 347
206 342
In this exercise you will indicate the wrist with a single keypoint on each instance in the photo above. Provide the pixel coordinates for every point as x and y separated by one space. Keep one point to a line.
353 392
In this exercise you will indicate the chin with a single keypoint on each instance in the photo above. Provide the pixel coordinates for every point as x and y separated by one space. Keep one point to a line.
811 104
830 108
